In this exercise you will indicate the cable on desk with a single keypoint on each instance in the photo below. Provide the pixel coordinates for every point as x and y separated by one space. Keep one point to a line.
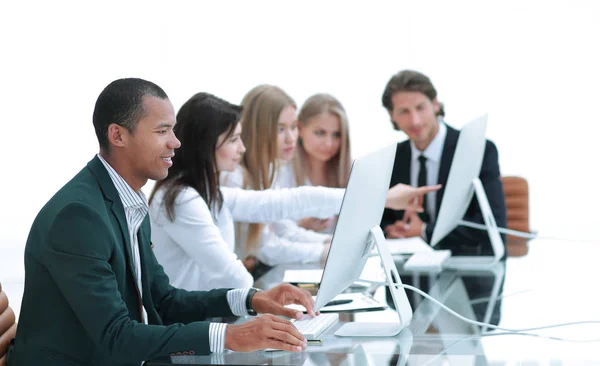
521 234
481 324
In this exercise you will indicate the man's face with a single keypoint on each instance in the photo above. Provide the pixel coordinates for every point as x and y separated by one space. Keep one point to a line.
415 114
151 146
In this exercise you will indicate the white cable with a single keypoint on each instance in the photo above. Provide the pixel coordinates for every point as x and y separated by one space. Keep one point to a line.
488 334
481 324
492 326
521 234
502 230
480 300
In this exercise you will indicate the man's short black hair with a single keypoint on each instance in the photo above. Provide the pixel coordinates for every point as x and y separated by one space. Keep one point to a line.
121 102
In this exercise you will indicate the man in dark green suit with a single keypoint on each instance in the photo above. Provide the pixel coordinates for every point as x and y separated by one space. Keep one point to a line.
94 292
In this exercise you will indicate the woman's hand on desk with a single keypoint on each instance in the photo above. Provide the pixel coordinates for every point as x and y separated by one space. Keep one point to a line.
405 197
250 262
273 301
315 224
267 331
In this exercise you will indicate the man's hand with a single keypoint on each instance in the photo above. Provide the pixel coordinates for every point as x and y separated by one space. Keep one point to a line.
410 226
405 197
273 301
267 331
395 230
315 224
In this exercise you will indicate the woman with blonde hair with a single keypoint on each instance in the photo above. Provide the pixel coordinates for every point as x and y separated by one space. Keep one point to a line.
323 152
269 132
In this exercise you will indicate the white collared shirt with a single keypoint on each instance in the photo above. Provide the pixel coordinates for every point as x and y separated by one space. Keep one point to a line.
136 209
433 153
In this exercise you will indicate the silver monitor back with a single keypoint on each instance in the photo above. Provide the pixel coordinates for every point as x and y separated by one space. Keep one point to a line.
466 165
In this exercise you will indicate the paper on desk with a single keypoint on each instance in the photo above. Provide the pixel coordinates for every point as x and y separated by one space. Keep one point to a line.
407 246
360 302
303 276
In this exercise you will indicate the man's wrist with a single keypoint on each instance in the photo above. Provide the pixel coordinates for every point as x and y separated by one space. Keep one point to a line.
249 298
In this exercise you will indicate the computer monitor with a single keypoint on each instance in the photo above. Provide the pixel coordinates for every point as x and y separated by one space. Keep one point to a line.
356 232
463 181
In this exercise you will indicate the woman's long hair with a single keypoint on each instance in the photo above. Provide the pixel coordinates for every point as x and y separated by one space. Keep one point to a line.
200 122
262 107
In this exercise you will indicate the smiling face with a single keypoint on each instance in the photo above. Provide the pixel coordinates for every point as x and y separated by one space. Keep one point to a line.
287 133
321 137
229 150
147 151
415 114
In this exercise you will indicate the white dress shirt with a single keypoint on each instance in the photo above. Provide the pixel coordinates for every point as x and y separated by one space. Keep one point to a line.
136 209
433 153
274 249
197 249
289 229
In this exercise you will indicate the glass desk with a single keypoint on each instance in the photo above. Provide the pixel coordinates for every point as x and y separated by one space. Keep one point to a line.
557 282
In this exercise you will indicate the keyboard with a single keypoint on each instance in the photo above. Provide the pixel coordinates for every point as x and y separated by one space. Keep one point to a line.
427 261
312 328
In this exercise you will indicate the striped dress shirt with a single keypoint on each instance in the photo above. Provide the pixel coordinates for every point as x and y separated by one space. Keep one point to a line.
136 209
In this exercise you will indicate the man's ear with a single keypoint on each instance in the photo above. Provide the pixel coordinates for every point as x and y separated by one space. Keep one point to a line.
117 135
436 106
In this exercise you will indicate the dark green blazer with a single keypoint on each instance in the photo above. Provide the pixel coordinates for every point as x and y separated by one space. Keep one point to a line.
80 304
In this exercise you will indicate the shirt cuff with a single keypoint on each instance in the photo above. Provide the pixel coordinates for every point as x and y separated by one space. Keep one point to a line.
237 301
424 232
216 337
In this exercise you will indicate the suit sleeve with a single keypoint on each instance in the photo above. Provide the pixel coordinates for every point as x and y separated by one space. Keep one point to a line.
81 243
463 240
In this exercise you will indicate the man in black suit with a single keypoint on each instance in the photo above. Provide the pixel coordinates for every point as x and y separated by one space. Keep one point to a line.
425 159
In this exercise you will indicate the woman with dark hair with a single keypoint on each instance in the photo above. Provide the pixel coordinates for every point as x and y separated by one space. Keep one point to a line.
192 215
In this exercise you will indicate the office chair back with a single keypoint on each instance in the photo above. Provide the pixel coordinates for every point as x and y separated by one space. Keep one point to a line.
516 191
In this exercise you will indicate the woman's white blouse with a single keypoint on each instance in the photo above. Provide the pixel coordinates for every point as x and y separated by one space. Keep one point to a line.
276 246
196 250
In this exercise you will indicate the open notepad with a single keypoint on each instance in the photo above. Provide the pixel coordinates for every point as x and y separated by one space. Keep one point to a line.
360 302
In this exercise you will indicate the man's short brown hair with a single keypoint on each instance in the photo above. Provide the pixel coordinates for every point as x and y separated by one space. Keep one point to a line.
409 81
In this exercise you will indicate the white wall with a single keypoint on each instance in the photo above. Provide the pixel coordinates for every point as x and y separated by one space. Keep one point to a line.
533 67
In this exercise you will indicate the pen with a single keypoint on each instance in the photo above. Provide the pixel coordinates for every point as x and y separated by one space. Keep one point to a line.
338 302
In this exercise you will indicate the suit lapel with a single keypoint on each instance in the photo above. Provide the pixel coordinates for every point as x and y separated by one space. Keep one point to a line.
401 172
446 162
110 194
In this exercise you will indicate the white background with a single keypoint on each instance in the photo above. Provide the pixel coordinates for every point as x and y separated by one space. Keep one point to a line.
533 66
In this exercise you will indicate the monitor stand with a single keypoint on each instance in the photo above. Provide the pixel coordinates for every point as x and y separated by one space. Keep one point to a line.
488 219
403 308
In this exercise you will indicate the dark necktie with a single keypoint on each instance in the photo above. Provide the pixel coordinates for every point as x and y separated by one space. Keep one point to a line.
422 181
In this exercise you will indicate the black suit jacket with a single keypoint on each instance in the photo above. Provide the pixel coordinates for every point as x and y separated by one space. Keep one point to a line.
81 305
463 240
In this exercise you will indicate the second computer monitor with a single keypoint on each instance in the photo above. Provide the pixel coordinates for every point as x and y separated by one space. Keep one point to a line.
361 210
466 165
